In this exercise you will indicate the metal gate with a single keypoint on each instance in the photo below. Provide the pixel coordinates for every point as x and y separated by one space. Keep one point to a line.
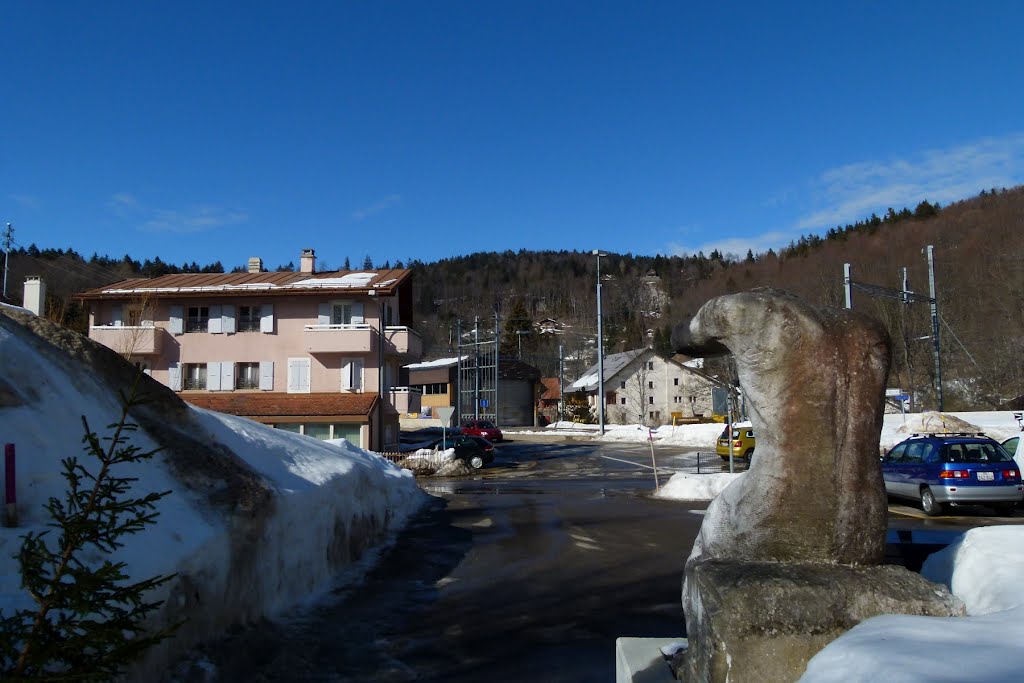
477 378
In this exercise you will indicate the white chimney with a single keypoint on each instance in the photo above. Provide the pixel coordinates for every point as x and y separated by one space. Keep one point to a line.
35 294
255 265
307 262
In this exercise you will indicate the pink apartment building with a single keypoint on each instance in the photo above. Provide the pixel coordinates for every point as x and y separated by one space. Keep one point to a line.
308 352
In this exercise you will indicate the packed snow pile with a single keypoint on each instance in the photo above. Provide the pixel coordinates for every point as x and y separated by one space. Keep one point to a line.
935 422
985 569
258 519
683 486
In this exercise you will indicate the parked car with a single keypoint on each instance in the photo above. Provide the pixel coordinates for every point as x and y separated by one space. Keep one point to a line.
475 451
939 470
742 441
484 428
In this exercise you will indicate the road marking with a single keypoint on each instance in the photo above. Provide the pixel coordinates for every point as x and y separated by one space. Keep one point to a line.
485 522
640 464
581 537
587 546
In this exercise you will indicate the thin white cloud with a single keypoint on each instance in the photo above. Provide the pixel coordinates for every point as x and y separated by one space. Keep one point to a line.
852 192
27 201
198 219
386 203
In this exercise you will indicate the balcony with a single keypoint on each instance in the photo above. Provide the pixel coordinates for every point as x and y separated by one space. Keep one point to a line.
132 340
405 400
403 341
338 338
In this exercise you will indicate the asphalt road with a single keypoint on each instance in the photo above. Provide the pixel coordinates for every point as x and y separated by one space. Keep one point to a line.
528 570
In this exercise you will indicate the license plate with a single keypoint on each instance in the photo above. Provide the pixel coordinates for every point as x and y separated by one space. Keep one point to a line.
986 476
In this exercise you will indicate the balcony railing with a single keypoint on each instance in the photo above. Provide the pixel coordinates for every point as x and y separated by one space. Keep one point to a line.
339 338
129 340
403 341
405 399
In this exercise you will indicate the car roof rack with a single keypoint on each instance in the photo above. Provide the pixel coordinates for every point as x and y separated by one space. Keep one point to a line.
937 435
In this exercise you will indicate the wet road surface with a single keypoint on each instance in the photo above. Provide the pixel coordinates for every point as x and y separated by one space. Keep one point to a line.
529 571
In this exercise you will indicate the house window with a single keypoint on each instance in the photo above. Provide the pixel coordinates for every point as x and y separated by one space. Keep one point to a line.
677 399
650 385
650 365
248 318
622 385
693 399
650 400
341 313
622 400
655 414
675 381
194 375
198 319
247 376
135 314
434 389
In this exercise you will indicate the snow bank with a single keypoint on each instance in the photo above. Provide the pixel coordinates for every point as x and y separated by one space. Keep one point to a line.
683 486
985 569
322 506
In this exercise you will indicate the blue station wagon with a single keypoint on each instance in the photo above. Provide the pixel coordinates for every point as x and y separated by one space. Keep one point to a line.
940 470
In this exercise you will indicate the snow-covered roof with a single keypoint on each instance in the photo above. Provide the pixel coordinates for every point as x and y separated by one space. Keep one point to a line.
439 363
612 365
245 283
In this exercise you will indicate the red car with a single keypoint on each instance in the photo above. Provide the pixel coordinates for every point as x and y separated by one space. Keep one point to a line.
484 428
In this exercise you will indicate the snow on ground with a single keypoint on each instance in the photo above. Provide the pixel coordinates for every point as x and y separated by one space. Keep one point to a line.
985 569
331 502
685 486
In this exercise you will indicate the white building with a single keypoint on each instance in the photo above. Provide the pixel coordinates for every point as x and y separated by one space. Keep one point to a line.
642 387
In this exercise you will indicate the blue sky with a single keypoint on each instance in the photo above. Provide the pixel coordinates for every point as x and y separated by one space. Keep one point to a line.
219 131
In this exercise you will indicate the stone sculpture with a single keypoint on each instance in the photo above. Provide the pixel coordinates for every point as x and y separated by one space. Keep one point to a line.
786 557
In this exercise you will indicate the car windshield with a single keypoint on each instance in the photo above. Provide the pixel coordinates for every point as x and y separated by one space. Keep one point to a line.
975 452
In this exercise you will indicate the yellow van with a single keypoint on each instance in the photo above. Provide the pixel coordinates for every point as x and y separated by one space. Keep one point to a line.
742 441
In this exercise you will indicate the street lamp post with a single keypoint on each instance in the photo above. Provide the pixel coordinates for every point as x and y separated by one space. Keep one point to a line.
600 345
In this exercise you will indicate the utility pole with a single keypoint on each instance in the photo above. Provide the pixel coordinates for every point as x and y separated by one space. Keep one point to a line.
561 384
8 239
600 345
930 253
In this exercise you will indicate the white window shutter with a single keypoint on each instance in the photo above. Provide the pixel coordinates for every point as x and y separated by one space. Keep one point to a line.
267 375
213 376
357 313
228 319
117 315
267 318
174 375
177 320
346 376
215 325
227 376
298 375
324 314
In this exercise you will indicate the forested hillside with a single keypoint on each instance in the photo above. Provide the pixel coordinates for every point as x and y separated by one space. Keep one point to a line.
979 247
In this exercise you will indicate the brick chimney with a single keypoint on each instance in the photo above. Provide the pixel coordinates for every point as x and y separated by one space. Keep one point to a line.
307 261
255 265
35 294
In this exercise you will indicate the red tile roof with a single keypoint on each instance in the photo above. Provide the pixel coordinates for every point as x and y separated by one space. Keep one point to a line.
268 405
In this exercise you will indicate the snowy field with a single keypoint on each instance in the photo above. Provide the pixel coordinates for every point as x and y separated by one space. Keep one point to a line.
329 506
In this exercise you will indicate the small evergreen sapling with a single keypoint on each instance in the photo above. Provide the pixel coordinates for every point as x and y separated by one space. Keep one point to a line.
89 622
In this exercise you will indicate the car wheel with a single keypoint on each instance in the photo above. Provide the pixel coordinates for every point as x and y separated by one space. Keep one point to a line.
476 462
931 507
749 455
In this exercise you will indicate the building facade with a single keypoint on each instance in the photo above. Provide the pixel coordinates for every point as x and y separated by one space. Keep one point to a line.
316 353
641 387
